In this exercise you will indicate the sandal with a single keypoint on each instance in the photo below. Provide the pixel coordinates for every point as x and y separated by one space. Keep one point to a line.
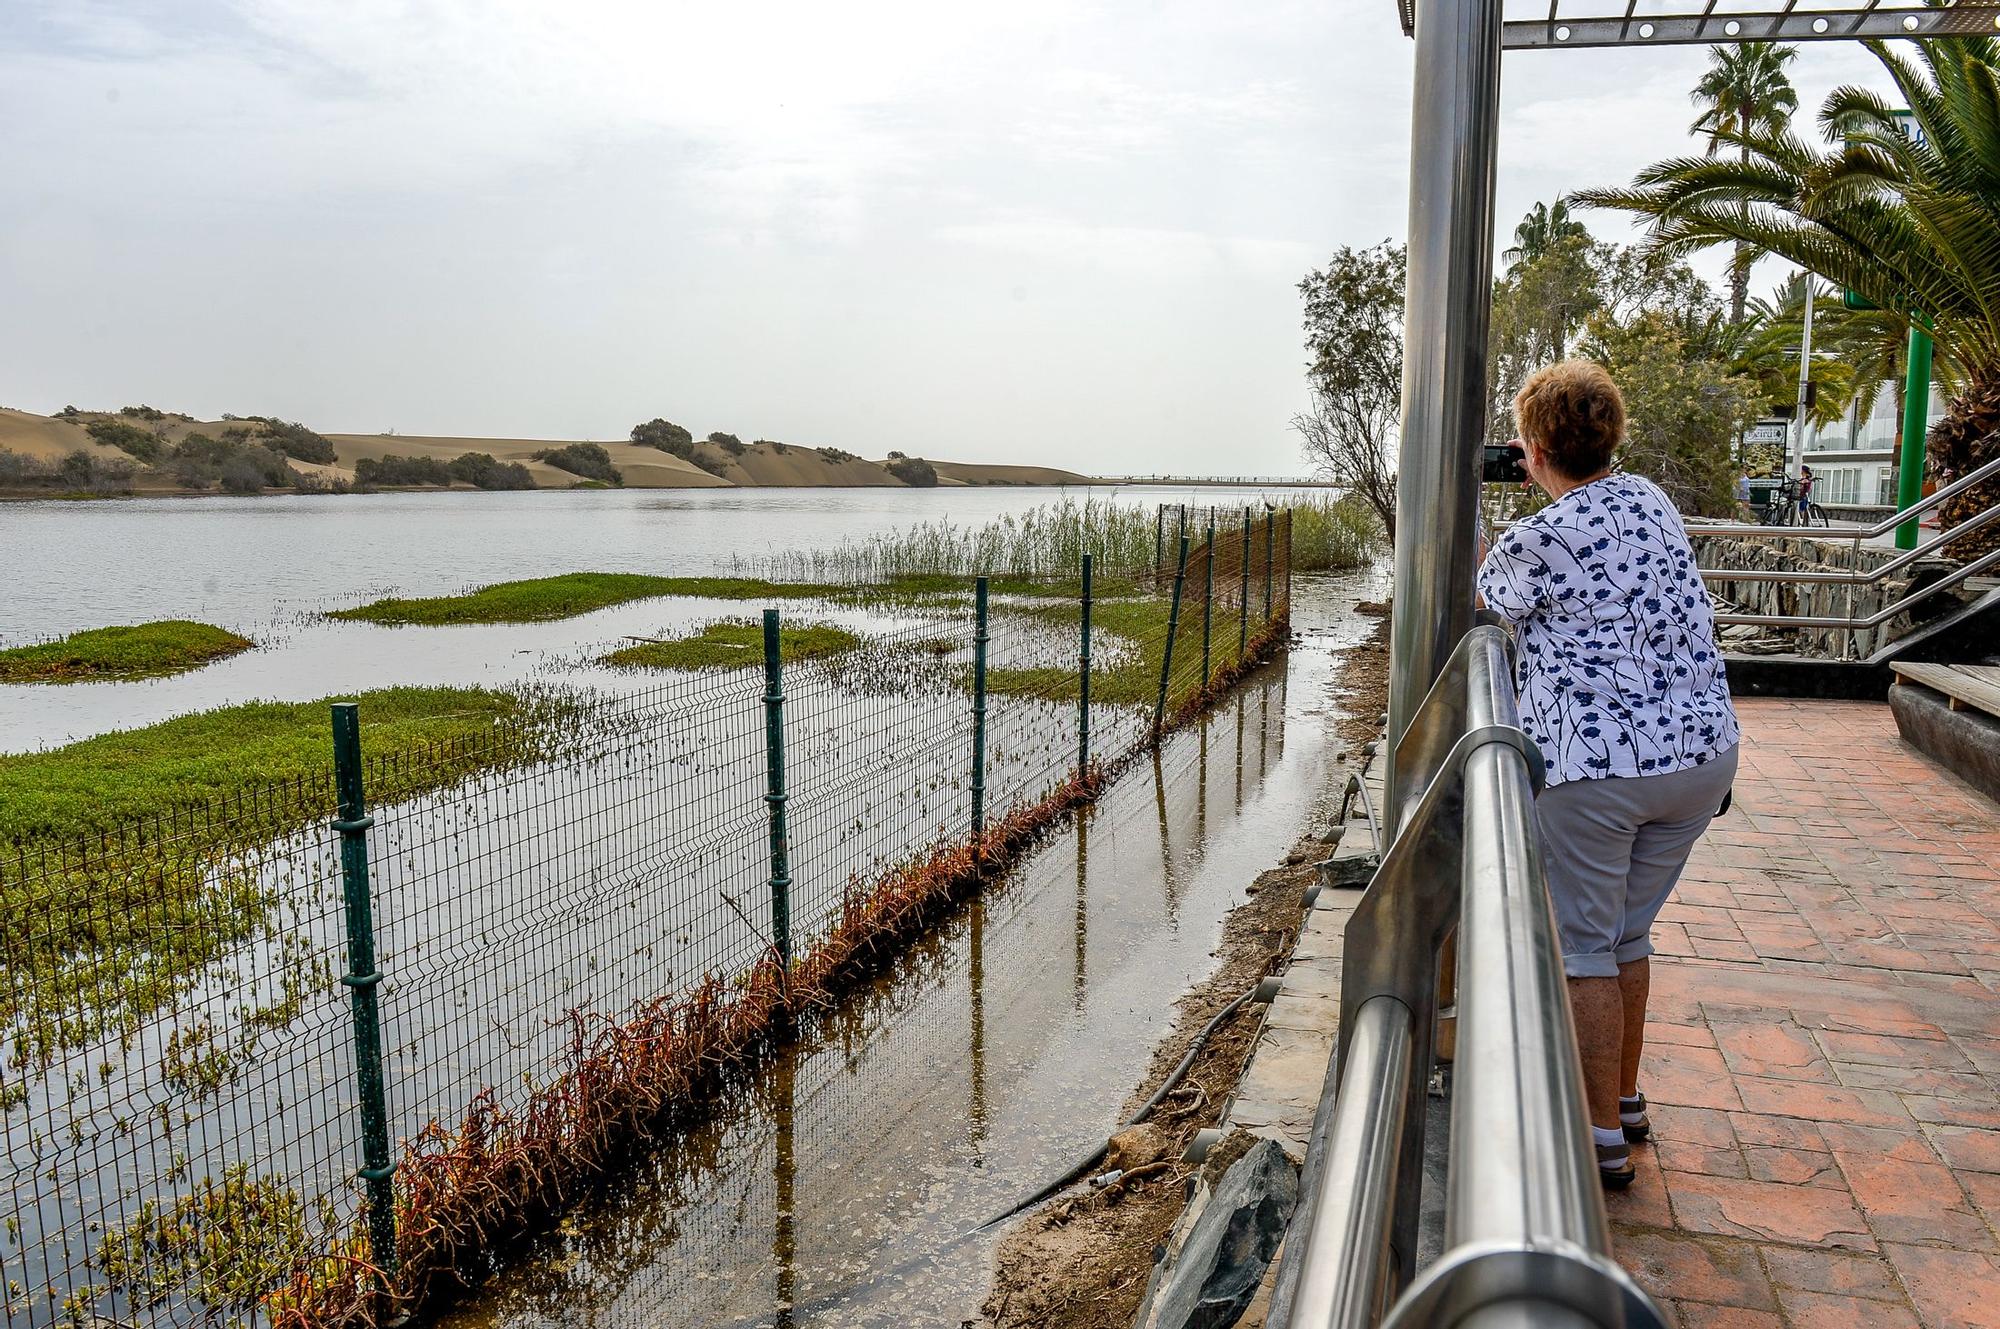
1614 1166
1632 1117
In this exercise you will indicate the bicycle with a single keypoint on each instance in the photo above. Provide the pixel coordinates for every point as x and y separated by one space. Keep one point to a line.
1784 508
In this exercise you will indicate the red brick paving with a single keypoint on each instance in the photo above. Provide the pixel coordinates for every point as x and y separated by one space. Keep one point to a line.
1824 1050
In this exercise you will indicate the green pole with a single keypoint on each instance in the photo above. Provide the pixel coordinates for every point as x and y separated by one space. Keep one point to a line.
775 796
1243 599
1083 681
1270 554
979 640
1207 600
1173 630
1916 422
352 821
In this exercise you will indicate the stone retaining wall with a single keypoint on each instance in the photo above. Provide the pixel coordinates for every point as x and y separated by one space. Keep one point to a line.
1811 600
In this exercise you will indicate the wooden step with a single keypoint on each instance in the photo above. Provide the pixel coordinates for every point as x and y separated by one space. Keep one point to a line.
1974 686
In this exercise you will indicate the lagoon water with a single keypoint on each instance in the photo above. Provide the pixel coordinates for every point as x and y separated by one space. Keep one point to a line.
270 567
246 563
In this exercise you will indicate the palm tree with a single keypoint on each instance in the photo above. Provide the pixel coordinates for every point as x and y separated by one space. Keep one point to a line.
1541 230
1909 221
1745 89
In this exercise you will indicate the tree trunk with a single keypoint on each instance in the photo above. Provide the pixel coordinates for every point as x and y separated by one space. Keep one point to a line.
1739 268
1968 436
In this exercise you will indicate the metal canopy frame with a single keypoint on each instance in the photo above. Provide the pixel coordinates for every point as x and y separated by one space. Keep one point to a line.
1531 25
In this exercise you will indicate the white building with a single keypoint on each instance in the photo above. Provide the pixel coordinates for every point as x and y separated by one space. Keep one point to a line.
1854 460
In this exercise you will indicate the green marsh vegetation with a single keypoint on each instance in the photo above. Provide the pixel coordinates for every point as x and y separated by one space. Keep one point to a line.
227 1243
543 599
144 650
131 860
733 645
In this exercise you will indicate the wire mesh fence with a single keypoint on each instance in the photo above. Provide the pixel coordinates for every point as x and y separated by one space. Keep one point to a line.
581 922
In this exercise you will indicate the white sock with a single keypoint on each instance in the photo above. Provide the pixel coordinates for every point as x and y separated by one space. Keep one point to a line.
1607 1135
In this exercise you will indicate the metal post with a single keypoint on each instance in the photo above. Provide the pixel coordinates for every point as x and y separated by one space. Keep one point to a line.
1916 420
1453 135
1270 556
1207 602
352 821
775 796
1291 515
1083 681
1243 596
979 640
1798 457
1173 630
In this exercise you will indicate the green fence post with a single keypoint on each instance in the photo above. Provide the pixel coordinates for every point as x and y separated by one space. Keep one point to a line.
1916 422
1243 600
1083 681
352 821
774 798
1208 601
1270 553
979 640
1173 629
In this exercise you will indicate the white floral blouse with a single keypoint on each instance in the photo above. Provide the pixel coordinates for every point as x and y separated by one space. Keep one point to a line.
1618 670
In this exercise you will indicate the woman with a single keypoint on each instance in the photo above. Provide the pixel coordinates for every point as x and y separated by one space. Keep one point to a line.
1623 691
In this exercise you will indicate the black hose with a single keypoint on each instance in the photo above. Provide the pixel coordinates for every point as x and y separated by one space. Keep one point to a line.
1085 1162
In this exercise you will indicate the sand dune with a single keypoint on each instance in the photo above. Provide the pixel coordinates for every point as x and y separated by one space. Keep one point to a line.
758 465
643 468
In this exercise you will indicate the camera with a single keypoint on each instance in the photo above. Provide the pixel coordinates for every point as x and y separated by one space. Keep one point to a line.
1500 464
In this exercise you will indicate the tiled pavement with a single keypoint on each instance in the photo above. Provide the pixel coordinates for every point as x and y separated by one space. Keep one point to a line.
1824 1045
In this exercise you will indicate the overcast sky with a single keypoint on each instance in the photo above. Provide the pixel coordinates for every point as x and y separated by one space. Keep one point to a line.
1022 231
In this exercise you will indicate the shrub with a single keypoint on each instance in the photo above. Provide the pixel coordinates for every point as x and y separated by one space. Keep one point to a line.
395 470
722 440
240 475
127 438
895 456
200 462
914 471
588 460
664 435
293 439
714 465
835 455
80 472
732 445
149 413
483 471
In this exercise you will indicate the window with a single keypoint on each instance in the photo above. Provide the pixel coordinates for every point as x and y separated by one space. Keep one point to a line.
1838 484
1885 486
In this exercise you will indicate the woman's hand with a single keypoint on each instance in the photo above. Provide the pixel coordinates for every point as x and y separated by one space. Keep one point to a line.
1533 463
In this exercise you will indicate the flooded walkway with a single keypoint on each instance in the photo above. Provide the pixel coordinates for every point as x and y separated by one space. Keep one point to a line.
836 1186
1824 1049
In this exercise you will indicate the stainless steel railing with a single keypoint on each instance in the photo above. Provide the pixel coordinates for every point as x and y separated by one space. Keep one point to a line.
1853 577
1525 1241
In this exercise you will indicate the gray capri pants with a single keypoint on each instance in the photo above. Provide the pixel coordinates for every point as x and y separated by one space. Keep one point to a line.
1613 849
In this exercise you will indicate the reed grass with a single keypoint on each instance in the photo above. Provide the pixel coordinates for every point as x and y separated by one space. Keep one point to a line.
143 650
1044 543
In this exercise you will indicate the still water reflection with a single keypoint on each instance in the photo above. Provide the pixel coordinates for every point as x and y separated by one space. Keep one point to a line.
832 1189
